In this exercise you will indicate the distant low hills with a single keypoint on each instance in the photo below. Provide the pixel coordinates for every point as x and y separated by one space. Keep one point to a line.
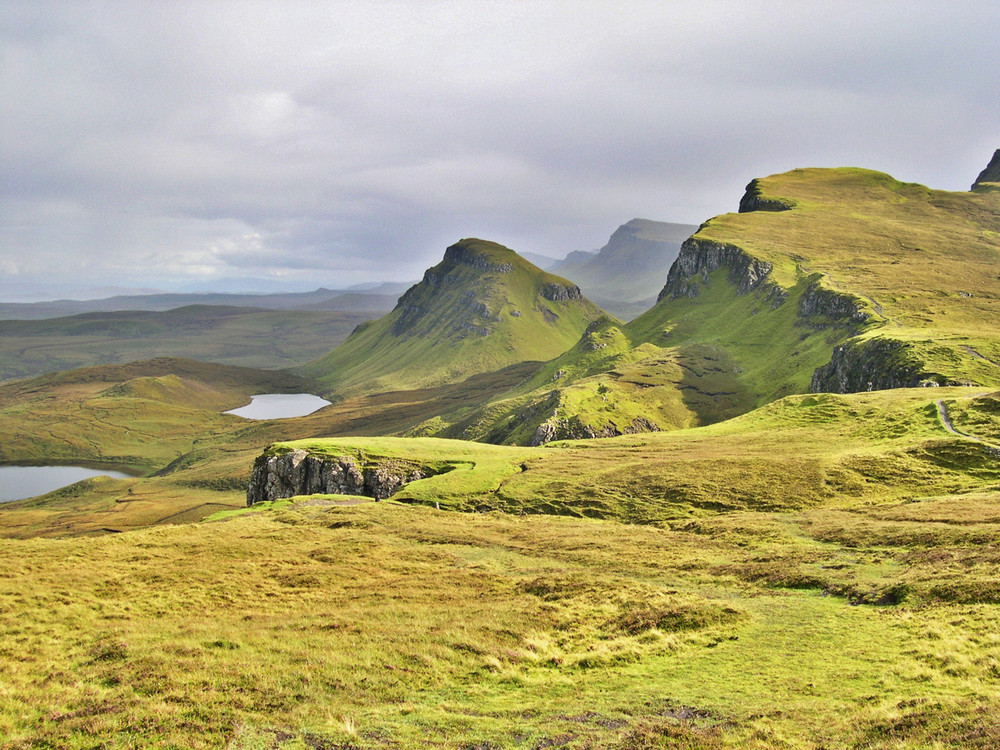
242 336
624 276
379 297
481 309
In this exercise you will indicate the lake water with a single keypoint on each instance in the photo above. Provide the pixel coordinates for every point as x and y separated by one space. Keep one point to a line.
19 482
280 406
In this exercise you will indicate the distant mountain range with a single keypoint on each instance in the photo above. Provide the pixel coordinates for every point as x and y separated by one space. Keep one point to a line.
624 276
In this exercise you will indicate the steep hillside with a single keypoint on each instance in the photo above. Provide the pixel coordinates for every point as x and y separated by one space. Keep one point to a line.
624 276
481 309
989 178
827 280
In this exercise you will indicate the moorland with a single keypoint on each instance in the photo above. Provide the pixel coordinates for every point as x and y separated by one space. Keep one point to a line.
764 513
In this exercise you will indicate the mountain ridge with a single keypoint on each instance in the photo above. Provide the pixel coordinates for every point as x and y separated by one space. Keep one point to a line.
482 308
826 280
624 276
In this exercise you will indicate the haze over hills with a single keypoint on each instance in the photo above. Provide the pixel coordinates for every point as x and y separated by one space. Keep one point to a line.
481 309
242 336
624 276
374 297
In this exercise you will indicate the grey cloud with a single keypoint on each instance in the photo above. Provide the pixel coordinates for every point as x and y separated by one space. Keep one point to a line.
337 142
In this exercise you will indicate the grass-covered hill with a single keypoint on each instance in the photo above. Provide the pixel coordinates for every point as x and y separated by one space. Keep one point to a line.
827 280
625 275
481 309
818 573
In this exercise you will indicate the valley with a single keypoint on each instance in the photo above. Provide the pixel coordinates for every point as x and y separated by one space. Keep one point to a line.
763 513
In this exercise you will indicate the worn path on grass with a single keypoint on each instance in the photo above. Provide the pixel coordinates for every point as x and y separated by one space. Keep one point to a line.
947 424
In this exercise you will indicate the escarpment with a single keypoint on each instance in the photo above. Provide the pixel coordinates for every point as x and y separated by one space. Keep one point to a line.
466 254
699 257
280 475
989 177
556 292
754 200
835 308
873 365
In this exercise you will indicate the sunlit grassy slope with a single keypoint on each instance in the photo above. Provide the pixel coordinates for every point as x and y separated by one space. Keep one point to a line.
481 309
821 572
902 277
163 420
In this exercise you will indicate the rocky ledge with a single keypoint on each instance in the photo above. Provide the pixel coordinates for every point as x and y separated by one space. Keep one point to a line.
560 292
463 255
574 429
833 307
700 257
297 472
753 200
873 365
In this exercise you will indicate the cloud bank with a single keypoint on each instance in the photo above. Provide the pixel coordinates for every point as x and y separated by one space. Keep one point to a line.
182 145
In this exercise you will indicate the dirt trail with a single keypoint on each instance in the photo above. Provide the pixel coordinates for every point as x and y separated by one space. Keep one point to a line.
947 424
977 355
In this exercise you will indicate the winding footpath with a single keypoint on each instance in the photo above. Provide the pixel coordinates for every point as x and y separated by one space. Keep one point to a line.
947 424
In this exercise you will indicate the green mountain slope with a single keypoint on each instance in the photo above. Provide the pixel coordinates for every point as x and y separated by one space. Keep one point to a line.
481 309
624 276
827 280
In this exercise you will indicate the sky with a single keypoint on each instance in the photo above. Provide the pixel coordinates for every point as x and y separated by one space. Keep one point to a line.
288 145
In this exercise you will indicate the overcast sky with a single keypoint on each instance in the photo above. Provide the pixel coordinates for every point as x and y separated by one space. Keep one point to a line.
176 145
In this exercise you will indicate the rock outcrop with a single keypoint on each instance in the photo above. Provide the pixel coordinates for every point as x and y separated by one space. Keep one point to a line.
873 365
835 308
281 475
989 177
561 292
467 255
699 257
753 200
574 429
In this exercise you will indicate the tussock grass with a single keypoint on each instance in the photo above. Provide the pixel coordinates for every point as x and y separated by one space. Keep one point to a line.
818 572
392 625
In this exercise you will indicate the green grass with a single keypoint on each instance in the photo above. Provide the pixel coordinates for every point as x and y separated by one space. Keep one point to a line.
388 625
818 572
461 320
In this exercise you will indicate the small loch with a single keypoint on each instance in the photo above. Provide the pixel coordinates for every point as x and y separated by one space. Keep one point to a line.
280 406
20 482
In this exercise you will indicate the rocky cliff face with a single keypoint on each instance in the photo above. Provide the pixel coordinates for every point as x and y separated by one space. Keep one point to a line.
283 475
873 365
835 308
574 429
561 292
990 175
699 257
753 200
465 255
